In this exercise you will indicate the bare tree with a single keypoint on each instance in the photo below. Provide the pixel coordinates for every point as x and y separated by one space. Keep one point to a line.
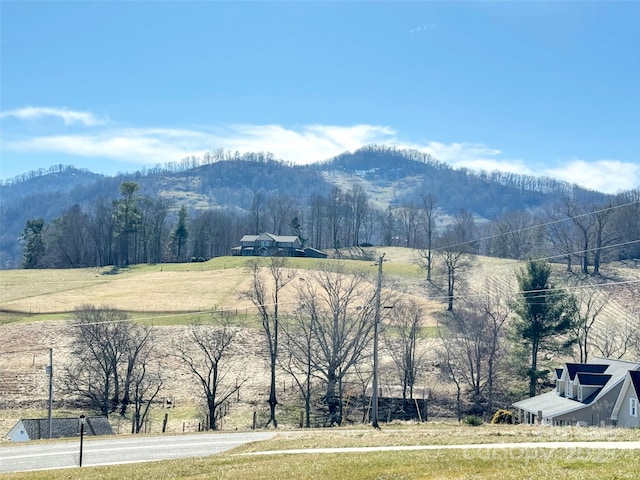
401 336
450 368
583 224
468 346
562 235
299 351
264 293
206 352
146 384
409 216
514 235
109 348
281 209
591 302
339 305
494 312
430 220
604 234
257 212
455 261
359 202
616 339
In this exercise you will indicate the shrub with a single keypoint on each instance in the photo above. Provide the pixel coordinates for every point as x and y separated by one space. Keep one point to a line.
502 416
473 421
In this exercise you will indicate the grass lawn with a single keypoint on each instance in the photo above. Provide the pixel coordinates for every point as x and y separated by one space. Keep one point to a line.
515 463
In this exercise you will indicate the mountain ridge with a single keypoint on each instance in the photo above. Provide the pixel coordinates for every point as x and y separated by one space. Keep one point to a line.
390 177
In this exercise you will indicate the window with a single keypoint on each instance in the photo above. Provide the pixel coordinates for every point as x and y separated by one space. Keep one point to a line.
633 407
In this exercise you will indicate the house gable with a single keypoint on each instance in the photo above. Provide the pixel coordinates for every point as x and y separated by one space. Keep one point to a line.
589 385
625 411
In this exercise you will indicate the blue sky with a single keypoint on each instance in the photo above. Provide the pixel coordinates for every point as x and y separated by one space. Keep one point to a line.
542 88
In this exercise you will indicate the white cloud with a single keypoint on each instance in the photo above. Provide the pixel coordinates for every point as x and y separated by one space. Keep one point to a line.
609 176
156 145
474 156
69 117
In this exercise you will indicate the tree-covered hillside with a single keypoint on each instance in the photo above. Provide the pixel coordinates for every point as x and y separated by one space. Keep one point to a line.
373 195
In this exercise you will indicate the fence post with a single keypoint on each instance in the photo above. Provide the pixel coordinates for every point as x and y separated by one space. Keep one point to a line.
253 427
164 423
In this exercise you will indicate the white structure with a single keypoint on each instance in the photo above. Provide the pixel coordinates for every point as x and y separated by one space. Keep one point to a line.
585 394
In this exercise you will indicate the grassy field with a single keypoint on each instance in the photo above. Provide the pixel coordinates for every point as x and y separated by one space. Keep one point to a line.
512 463
35 303
166 294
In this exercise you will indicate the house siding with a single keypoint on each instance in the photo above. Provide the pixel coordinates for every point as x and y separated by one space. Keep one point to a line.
593 414
625 419
269 245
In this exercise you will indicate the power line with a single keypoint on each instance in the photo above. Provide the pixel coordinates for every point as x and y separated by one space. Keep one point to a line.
533 227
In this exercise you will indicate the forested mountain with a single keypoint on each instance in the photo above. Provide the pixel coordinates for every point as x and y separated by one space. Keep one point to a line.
373 195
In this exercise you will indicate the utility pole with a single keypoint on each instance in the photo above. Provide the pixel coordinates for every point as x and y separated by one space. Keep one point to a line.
82 419
376 327
50 372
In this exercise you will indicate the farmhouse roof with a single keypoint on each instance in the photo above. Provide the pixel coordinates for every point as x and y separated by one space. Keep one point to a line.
573 368
37 428
635 379
593 379
269 236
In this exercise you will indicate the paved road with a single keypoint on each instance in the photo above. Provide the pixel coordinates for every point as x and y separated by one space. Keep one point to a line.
108 451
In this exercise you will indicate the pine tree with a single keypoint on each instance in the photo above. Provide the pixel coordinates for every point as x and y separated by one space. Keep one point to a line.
545 315
33 252
180 232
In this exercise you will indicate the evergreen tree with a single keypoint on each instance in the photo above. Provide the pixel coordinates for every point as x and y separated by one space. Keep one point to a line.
127 214
33 252
545 315
180 232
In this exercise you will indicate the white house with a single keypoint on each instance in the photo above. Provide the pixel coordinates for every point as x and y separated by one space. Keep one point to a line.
625 411
585 394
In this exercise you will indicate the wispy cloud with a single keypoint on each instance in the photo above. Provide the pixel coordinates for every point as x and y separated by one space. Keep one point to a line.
609 176
474 156
69 117
422 28
303 145
300 145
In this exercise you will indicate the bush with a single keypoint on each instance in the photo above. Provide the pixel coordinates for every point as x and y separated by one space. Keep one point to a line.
473 421
502 416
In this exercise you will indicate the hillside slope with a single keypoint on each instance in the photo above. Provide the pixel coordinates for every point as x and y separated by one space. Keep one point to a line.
390 177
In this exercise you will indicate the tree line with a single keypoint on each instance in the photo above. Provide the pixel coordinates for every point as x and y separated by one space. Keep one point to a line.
133 229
